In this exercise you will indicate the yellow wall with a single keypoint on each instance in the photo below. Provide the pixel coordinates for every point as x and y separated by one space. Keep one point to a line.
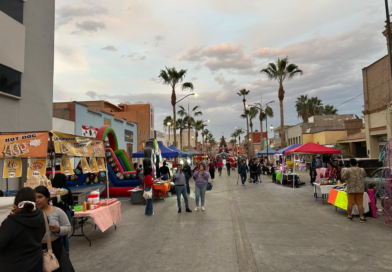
332 137
324 137
307 138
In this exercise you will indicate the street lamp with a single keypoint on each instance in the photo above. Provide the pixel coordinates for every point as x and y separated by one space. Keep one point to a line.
271 127
194 94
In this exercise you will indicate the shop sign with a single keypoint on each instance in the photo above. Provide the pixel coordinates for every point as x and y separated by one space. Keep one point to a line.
37 168
84 165
107 122
66 167
93 165
12 168
128 134
101 164
383 138
88 131
24 145
72 145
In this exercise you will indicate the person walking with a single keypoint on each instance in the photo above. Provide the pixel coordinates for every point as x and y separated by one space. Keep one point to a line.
220 166
180 186
21 235
148 186
201 177
164 172
228 167
59 226
188 173
355 181
252 168
242 170
259 168
211 169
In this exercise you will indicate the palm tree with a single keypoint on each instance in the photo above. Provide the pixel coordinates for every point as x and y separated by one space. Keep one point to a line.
238 132
174 78
315 106
204 134
301 106
188 117
246 115
167 122
198 125
233 142
330 110
263 114
211 140
279 72
181 125
244 93
252 114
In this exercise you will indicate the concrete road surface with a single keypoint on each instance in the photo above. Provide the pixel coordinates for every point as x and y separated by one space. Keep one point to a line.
263 227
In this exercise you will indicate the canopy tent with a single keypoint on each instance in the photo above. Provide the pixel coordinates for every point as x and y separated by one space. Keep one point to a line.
194 152
312 148
183 154
284 150
271 151
166 152
139 154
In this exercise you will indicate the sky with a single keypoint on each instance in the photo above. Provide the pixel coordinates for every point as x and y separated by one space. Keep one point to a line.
114 51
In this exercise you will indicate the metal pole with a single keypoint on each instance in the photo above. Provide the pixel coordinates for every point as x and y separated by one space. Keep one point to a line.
389 36
266 131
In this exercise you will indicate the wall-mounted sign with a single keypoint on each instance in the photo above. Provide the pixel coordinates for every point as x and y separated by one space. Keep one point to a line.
107 121
128 135
88 131
12 168
24 145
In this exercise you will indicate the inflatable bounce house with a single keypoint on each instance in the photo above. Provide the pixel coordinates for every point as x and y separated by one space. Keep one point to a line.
121 174
152 156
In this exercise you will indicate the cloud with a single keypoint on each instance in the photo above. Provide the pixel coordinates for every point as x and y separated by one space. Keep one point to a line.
89 26
66 13
91 94
158 39
225 56
109 48
136 57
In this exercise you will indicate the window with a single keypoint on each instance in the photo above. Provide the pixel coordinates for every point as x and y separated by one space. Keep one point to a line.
13 8
9 81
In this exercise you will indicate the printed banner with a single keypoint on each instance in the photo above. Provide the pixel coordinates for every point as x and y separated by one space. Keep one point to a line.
101 164
332 196
85 167
24 145
66 167
37 168
33 182
72 145
341 200
12 168
93 165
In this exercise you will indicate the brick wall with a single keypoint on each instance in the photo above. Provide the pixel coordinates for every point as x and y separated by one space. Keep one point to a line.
63 113
353 126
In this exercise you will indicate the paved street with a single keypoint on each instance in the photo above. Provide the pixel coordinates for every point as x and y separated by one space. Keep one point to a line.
262 227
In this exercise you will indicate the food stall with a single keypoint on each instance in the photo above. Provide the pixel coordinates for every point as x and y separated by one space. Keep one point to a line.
282 173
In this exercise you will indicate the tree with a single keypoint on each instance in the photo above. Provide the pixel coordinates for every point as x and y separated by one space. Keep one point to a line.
181 126
252 114
330 110
188 117
174 78
167 123
204 135
238 132
264 113
280 71
211 140
307 107
244 93
233 143
198 125
223 145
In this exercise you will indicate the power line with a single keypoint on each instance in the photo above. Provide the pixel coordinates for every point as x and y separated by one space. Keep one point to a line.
349 100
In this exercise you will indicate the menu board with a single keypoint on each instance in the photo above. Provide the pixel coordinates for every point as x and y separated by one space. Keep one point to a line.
93 165
101 164
12 168
37 167
24 145
66 167
72 145
84 165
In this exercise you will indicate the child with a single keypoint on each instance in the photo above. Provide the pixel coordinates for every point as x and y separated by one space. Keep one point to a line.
371 192
313 175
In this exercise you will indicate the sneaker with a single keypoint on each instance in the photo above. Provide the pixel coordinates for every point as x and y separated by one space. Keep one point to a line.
196 208
202 208
188 210
350 218
362 219
179 210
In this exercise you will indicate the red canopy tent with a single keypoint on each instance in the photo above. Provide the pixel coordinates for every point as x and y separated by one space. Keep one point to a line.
312 148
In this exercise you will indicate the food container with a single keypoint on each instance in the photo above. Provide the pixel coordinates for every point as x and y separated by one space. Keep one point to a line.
94 198
77 208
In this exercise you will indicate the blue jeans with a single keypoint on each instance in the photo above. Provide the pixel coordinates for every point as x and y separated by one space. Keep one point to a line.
188 189
243 178
149 210
181 190
165 177
200 191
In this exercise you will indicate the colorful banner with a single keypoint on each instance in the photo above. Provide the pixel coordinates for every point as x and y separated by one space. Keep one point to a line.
37 167
33 182
85 167
12 168
24 145
101 164
66 167
338 199
93 165
72 145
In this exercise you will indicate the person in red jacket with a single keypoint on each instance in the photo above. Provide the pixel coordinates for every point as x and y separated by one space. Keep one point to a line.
220 166
148 182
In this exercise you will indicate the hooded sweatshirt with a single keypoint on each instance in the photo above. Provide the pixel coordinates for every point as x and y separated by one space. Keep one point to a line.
21 241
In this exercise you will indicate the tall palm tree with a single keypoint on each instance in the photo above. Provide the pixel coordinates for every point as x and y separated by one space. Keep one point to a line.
301 106
174 78
204 134
252 114
198 125
245 115
315 106
330 110
188 117
244 93
239 131
233 142
181 126
280 71
263 116
211 140
168 120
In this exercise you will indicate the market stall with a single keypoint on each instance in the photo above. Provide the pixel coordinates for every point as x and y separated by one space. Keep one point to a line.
182 153
282 173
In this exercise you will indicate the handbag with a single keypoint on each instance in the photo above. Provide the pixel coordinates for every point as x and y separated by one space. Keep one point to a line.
147 194
209 186
49 260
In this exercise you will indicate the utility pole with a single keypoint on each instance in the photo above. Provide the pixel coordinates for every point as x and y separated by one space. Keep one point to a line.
389 36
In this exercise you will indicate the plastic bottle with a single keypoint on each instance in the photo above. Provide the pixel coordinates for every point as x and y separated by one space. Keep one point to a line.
84 206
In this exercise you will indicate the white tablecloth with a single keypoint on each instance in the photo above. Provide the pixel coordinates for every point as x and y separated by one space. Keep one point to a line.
322 189
366 201
6 204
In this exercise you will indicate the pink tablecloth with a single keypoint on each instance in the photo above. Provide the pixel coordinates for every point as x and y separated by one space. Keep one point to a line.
105 216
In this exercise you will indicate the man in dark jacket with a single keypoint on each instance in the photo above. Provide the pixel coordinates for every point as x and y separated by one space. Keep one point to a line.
242 170
188 173
228 166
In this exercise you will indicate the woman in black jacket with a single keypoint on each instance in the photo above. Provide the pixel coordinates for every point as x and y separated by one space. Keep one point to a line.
21 235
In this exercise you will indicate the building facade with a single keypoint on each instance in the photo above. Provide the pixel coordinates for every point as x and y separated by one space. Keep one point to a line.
26 65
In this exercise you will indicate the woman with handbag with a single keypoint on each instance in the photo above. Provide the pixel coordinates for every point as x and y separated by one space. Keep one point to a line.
201 176
21 235
148 190
58 226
